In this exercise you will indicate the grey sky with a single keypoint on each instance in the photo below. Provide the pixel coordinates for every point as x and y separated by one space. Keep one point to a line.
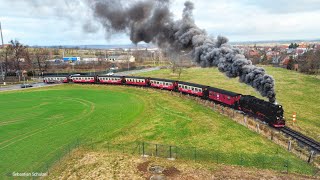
55 22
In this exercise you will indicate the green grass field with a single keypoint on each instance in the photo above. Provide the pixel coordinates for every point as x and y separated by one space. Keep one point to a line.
295 91
35 124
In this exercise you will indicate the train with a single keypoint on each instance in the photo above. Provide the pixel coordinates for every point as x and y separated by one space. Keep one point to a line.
270 113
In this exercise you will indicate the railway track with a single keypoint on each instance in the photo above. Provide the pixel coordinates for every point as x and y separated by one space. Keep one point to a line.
314 145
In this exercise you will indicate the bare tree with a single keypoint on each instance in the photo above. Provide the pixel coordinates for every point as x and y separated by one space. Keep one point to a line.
27 64
41 55
18 52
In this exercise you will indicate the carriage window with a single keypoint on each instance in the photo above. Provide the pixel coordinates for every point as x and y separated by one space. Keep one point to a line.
192 89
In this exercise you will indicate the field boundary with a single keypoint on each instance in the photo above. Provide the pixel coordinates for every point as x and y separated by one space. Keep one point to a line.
172 152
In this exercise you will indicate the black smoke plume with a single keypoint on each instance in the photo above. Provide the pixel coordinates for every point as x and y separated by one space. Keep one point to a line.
152 21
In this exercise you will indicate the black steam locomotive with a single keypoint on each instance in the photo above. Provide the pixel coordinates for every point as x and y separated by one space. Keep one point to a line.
265 111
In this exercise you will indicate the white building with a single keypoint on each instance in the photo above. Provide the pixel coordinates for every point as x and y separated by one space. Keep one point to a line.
90 59
121 59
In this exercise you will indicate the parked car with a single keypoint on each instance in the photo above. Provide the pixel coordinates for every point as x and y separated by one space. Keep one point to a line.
25 85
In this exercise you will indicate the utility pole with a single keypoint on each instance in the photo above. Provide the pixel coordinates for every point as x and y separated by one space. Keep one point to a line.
1 34
2 47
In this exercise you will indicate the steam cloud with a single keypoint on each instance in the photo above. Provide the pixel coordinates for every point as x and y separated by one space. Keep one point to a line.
151 21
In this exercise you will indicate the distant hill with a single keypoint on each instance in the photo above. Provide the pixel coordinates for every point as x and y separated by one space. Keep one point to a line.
144 45
123 46
274 41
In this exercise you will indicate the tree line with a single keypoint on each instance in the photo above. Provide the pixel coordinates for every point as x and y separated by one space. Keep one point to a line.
17 57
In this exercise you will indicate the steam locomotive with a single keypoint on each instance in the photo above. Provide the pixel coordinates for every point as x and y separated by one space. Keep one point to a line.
267 112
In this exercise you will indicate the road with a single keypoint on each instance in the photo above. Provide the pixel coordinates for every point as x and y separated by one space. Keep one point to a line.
17 86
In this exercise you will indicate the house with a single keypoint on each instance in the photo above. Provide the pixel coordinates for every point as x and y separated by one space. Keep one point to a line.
121 58
276 60
5 45
92 59
253 53
112 58
285 61
126 58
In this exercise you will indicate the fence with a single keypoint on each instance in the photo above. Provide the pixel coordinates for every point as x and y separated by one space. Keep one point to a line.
272 161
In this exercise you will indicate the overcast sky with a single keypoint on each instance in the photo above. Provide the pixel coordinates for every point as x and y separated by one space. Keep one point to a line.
60 22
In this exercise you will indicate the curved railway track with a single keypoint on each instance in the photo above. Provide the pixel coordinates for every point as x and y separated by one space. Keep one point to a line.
313 144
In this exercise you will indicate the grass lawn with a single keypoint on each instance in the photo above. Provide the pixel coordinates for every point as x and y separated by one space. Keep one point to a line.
36 124
295 91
